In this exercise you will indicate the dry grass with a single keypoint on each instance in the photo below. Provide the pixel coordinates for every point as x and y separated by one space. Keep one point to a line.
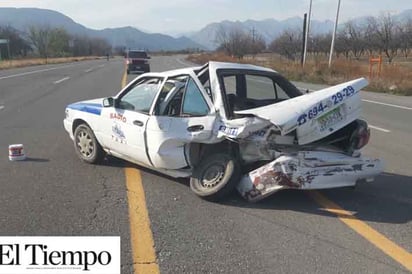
395 78
16 63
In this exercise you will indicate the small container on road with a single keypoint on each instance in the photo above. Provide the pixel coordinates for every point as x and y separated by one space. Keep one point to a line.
16 152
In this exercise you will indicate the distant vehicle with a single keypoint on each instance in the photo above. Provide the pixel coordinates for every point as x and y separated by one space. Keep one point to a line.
229 125
137 61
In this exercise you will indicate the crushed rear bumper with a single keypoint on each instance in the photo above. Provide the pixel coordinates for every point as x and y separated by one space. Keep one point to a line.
307 170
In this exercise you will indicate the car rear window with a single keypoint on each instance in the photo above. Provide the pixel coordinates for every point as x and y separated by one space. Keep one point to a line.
137 54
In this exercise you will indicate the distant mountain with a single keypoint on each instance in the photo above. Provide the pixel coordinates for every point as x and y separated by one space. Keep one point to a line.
23 18
268 28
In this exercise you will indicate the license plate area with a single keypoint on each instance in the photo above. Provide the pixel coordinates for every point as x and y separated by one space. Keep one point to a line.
329 119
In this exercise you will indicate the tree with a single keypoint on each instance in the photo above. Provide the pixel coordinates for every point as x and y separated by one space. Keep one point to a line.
288 44
40 38
354 35
18 45
59 43
405 37
386 34
236 42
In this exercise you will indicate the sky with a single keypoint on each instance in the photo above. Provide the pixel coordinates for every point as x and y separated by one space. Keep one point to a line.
180 16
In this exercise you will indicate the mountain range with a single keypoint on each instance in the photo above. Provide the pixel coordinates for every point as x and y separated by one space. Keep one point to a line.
130 37
22 18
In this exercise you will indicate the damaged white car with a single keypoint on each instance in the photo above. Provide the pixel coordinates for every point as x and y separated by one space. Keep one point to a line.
229 126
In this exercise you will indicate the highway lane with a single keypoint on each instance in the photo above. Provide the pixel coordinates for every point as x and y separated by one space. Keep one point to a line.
55 194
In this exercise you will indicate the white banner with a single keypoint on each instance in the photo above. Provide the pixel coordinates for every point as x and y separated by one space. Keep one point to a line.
59 255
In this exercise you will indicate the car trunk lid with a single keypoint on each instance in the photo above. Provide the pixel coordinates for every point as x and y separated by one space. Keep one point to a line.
315 115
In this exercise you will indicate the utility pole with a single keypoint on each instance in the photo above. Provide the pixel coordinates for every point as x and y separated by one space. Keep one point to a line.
253 34
307 34
302 60
332 46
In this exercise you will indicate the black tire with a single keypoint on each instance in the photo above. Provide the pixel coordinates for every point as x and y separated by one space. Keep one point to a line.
86 145
128 71
215 176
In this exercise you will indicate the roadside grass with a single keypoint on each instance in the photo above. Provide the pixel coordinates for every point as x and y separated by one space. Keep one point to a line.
17 63
395 78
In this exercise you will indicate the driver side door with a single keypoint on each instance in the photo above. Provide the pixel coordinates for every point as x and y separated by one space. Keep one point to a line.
125 122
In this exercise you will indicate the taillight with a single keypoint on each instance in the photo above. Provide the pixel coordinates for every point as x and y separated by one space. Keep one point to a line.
363 138
360 136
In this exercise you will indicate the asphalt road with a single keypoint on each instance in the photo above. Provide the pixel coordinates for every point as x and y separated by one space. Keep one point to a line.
53 193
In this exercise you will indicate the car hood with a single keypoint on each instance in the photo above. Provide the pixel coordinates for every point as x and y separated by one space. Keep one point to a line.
315 115
91 106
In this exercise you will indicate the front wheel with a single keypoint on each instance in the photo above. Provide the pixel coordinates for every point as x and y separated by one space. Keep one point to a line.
215 177
86 145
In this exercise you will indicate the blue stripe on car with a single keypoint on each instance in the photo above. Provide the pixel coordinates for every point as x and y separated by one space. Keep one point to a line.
87 107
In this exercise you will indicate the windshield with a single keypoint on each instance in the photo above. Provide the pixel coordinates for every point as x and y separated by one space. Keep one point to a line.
137 54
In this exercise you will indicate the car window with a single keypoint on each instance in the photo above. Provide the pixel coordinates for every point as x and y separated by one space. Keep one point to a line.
140 96
170 97
180 96
260 87
245 89
203 76
137 54
194 104
230 84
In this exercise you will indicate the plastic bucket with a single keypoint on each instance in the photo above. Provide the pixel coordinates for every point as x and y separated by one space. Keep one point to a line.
16 152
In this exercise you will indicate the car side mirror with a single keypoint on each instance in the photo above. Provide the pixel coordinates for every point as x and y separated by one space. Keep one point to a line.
108 102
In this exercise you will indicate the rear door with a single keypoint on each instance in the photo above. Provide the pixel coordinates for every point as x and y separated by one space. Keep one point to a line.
183 114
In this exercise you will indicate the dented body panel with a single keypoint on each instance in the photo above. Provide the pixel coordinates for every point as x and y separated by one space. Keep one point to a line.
163 120
307 170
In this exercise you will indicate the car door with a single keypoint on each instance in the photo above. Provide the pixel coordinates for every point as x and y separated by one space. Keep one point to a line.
183 114
126 121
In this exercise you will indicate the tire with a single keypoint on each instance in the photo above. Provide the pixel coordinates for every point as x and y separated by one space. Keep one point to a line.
86 145
215 176
128 71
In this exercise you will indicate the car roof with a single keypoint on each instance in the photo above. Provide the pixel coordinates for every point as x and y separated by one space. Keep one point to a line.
212 65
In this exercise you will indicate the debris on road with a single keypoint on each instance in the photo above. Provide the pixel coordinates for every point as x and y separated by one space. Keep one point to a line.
16 152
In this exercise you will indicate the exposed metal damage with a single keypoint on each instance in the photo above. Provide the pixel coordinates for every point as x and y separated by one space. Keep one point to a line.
307 170
212 123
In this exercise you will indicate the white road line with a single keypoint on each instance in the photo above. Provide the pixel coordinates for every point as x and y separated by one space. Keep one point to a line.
88 70
34 71
61 80
379 128
101 66
1 107
386 104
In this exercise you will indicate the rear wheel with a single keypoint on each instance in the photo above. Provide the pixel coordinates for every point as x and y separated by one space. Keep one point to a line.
215 176
86 145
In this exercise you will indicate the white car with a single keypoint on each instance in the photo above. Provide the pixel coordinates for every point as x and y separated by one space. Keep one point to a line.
229 126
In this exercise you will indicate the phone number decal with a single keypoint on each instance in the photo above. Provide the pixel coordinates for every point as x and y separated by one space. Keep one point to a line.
338 97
